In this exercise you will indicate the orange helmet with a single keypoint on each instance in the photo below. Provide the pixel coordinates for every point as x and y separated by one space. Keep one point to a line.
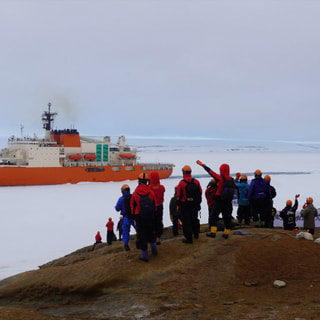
309 200
258 173
243 177
186 169
143 178
110 219
121 217
125 187
267 178
289 203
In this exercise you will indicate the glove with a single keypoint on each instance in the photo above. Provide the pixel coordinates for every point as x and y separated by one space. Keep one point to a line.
304 206
177 208
199 163
297 196
238 174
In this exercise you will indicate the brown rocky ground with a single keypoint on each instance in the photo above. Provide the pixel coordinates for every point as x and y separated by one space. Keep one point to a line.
209 279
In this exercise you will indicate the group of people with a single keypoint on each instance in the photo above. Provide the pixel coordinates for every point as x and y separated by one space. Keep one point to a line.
143 209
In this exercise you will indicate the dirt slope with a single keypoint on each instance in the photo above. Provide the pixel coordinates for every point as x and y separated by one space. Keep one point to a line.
209 279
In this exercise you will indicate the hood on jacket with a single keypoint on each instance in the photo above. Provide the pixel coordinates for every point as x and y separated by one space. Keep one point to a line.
187 177
225 170
154 177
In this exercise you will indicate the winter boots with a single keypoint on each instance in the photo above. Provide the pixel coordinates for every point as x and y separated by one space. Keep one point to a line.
212 233
226 233
154 249
144 256
126 247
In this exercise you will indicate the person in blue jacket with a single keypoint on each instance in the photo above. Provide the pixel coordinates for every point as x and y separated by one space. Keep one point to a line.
123 205
259 197
243 212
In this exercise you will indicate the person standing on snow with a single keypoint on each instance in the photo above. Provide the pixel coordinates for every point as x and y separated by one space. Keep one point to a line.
288 214
309 212
159 191
189 194
222 204
123 205
259 197
110 232
243 212
143 206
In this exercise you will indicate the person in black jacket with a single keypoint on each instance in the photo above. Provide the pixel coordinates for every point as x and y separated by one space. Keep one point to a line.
269 217
288 214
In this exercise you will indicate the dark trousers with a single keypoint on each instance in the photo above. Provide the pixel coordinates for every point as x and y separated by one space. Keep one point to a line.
145 234
259 209
225 208
190 221
175 224
244 213
109 237
159 221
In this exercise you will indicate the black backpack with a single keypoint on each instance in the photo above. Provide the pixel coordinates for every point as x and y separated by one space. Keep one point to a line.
127 206
228 189
147 211
193 193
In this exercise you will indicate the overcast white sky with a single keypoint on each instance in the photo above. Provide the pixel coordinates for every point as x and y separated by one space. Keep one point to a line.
234 69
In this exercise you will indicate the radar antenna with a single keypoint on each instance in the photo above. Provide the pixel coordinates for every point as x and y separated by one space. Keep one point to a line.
48 119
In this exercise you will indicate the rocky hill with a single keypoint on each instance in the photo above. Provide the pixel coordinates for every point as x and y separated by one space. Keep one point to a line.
209 279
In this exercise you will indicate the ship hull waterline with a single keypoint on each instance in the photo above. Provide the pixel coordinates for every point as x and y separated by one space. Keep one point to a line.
24 176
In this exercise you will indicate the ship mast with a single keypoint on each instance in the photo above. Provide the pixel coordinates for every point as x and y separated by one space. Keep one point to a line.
47 120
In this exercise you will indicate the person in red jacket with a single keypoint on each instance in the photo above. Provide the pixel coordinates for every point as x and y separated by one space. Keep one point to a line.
143 207
159 191
189 193
220 205
210 194
98 238
110 232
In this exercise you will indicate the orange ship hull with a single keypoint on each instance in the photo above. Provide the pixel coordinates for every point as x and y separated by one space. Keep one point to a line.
20 176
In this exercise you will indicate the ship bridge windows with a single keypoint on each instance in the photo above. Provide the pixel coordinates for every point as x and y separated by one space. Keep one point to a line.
95 169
